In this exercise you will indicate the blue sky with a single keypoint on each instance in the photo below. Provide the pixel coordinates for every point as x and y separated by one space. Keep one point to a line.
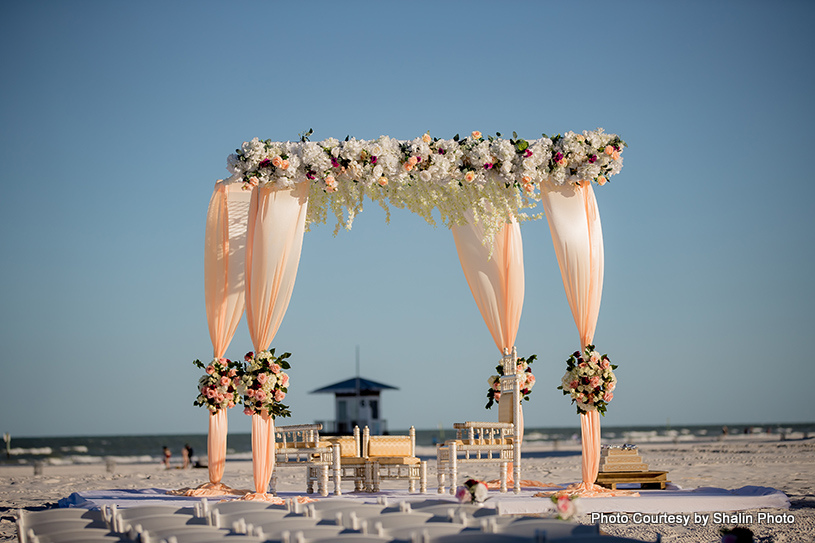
118 118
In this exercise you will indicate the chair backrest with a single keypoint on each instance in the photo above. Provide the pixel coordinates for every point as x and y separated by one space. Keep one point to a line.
485 433
298 435
350 446
400 446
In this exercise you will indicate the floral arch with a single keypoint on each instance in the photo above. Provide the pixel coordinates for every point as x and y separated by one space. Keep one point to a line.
478 186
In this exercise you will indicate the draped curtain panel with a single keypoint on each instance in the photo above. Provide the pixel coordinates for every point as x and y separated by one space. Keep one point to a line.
497 281
224 286
276 225
577 236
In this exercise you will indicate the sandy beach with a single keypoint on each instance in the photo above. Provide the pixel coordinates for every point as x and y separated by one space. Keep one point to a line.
729 462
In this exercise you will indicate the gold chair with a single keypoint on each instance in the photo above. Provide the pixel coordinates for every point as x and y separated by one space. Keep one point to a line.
352 464
394 457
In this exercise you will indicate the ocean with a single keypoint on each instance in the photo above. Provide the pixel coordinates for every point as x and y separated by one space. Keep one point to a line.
148 448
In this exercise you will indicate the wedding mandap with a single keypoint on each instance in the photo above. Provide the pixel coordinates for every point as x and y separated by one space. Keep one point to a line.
480 187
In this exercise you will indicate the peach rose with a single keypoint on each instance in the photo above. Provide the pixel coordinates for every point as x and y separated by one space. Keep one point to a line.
277 161
284 165
526 180
601 180
284 380
260 395
469 176
383 181
247 411
275 368
476 134
225 381
262 377
279 395
426 138
210 369
608 150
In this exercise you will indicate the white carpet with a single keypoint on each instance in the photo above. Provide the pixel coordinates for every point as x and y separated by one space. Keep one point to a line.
671 500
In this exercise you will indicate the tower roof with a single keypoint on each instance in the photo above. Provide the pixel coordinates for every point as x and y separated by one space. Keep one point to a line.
350 386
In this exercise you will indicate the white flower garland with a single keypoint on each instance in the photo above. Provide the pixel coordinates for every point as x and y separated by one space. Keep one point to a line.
494 178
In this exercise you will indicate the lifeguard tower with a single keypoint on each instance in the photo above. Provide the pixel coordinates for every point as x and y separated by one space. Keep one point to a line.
356 403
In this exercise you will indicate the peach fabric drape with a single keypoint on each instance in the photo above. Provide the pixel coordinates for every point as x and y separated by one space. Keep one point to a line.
497 281
274 241
224 285
577 236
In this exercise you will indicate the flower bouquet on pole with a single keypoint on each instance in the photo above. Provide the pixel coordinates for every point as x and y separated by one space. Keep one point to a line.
589 380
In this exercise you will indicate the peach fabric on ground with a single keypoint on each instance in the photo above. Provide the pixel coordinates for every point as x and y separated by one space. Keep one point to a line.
216 445
577 236
263 451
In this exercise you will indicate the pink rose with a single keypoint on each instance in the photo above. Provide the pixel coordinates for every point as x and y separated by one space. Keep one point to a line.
225 381
462 494
284 380
260 395
250 392
573 384
594 381
284 165
223 361
210 369
230 405
209 392
277 161
279 395
497 396
262 377
247 411
608 397
233 372
609 150
476 134
604 364
275 368
496 385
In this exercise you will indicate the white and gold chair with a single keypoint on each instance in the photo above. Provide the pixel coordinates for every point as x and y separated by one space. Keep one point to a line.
300 445
352 464
394 457
487 442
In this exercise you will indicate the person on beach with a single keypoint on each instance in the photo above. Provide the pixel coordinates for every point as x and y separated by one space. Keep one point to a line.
166 457
186 455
